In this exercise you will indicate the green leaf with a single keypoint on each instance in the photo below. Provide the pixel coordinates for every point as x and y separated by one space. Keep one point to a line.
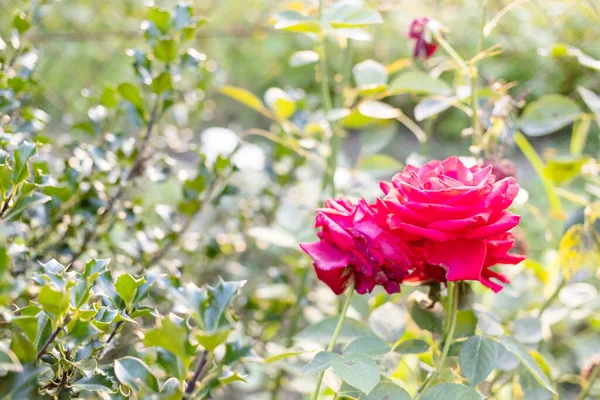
21 385
127 287
581 130
21 23
171 390
489 324
357 370
21 155
374 140
539 167
379 165
477 359
320 362
370 76
388 322
134 373
94 268
548 114
321 331
165 50
451 391
283 356
591 100
359 19
528 330
246 98
211 340
131 93
109 97
162 83
378 110
303 57
520 351
160 17
170 363
5 179
9 361
386 391
22 347
425 319
25 202
228 377
564 170
170 336
417 82
430 106
80 333
219 298
368 345
53 301
293 21
412 346
95 383
466 323
87 365
280 102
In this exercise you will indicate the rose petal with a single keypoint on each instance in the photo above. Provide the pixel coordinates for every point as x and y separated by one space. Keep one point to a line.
330 264
396 223
506 222
463 259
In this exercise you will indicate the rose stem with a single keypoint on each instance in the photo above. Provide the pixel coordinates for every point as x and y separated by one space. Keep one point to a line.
328 106
334 338
563 282
449 326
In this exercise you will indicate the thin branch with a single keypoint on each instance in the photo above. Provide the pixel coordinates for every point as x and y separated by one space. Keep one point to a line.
53 337
191 385
110 338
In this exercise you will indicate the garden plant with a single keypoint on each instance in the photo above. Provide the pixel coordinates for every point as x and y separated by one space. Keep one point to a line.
359 224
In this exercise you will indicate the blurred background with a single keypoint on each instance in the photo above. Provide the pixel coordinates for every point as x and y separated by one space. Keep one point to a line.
83 46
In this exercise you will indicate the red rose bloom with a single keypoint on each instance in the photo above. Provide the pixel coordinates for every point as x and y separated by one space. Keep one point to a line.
423 47
353 245
453 217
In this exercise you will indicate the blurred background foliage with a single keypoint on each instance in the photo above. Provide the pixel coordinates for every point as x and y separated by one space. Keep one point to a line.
175 225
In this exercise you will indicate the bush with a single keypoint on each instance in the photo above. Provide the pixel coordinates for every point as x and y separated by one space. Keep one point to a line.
140 259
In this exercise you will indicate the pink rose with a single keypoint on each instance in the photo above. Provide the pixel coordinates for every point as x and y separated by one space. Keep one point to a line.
453 217
424 47
353 245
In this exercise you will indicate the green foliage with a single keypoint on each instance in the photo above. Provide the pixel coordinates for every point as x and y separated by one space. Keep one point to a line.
207 295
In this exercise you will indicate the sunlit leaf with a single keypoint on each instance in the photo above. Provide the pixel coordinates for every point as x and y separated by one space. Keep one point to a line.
417 82
477 359
548 114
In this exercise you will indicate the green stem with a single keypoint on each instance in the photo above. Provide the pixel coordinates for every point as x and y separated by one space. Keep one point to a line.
593 376
450 50
563 282
474 107
449 327
334 338
328 106
482 26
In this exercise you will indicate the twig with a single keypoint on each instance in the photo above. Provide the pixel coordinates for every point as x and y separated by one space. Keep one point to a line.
110 338
191 385
52 337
